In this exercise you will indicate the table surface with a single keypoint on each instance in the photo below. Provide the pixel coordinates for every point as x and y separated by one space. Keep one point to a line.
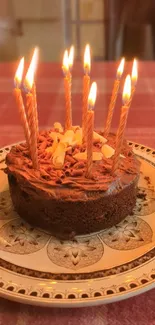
140 128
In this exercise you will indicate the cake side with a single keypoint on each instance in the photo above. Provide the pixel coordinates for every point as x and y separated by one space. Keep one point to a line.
64 201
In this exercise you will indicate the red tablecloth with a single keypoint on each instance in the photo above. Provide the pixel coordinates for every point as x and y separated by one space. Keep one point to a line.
140 128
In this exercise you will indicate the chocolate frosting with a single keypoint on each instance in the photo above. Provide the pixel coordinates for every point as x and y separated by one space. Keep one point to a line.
70 181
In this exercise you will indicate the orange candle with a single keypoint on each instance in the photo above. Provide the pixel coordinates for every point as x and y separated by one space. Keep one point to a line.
19 100
122 124
67 86
29 80
114 98
86 86
32 67
35 107
90 128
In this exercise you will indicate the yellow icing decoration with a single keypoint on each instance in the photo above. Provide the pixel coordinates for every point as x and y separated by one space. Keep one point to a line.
97 136
59 155
83 156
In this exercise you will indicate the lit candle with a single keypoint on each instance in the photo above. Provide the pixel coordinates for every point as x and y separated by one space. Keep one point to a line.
70 63
67 86
31 115
71 57
114 97
19 100
122 124
90 128
33 66
86 85
134 77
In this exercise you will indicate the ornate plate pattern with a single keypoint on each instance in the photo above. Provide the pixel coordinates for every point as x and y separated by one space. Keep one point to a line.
111 265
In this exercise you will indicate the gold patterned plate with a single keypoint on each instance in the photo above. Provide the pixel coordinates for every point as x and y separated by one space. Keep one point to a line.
36 268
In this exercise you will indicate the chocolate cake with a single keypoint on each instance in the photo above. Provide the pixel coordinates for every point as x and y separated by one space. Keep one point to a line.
59 197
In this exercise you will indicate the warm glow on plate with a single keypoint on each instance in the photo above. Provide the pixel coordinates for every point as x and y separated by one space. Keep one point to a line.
29 79
92 95
120 68
87 62
19 72
127 90
134 75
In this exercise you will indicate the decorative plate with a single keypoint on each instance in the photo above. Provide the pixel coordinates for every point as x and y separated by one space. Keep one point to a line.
103 267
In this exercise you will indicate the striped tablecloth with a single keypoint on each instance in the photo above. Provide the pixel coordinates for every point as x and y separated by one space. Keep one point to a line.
140 128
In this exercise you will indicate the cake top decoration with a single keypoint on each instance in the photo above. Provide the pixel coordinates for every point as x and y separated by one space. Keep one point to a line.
67 138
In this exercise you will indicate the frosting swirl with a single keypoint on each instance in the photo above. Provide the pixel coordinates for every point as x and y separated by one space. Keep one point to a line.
68 180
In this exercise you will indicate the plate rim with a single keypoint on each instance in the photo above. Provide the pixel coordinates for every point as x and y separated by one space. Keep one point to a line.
74 303
89 301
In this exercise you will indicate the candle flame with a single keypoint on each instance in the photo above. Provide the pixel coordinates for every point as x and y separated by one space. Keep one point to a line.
29 79
19 72
120 68
71 57
87 61
127 90
134 75
92 95
65 65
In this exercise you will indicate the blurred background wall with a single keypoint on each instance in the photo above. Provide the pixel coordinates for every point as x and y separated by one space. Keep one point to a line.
112 27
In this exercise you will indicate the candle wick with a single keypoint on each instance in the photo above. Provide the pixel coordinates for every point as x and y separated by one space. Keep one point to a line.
26 87
118 76
90 107
17 84
133 83
86 70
